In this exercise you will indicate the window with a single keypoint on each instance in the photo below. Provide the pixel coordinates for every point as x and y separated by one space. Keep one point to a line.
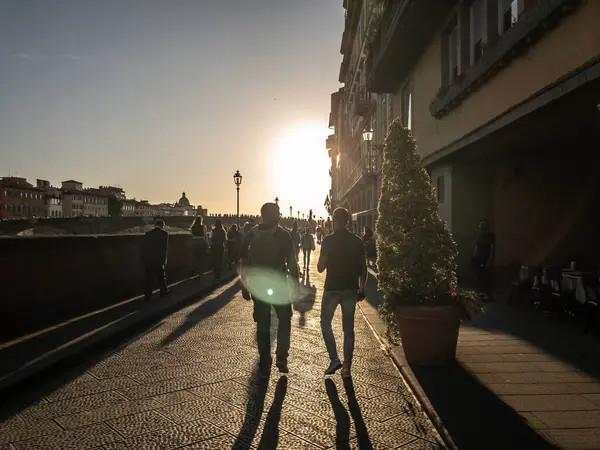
453 54
478 29
440 188
508 14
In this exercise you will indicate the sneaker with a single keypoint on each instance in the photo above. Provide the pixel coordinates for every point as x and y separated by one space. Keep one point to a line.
346 372
283 367
333 367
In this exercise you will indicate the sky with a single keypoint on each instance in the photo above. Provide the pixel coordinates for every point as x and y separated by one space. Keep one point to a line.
164 96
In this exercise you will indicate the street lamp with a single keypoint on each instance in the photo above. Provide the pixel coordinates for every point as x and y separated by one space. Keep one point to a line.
368 135
291 213
237 179
277 201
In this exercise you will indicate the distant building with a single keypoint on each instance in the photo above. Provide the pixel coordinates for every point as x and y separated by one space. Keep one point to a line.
128 209
113 191
20 199
80 202
143 209
52 199
72 185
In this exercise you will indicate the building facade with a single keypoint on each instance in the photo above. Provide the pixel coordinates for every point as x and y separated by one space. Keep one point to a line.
359 119
80 202
52 199
20 199
503 99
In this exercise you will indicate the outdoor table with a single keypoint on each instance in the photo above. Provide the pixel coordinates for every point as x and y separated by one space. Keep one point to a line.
573 281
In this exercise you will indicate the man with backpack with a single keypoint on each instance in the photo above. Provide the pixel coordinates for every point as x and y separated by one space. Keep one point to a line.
268 254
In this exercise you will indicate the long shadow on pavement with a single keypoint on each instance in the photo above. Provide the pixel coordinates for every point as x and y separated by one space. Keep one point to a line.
342 419
473 415
362 434
270 435
256 392
206 309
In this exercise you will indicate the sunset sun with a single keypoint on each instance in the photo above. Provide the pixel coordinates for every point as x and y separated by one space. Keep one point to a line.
300 169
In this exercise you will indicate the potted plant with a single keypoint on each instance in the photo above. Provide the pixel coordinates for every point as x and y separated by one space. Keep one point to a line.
417 257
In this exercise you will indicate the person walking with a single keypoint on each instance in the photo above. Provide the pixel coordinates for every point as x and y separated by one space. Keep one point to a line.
154 259
483 258
234 244
308 245
296 239
199 242
343 256
368 238
217 248
269 246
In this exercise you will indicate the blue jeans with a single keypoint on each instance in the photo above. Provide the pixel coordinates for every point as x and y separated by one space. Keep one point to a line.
347 300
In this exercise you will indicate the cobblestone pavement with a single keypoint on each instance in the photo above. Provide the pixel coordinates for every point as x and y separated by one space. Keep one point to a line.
190 383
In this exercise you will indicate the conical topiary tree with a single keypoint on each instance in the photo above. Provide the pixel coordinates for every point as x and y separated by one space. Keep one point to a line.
416 252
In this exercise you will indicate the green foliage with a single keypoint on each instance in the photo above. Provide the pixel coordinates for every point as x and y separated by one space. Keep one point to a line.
115 206
416 251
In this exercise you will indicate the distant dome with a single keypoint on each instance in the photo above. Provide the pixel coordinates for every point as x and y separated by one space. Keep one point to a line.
183 201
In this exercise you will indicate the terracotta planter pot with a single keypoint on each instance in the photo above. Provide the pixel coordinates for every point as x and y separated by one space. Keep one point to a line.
429 334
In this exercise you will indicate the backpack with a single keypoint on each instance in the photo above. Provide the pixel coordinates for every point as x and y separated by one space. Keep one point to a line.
265 250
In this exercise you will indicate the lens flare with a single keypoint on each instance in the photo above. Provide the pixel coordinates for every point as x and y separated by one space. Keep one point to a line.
267 285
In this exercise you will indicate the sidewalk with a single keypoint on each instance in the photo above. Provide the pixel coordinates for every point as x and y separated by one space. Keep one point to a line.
521 381
189 383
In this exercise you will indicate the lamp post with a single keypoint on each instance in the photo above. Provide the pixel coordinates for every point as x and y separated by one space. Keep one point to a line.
291 213
277 201
237 179
298 215
368 137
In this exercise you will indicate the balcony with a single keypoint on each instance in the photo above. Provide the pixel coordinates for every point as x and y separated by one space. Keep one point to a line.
406 28
331 141
363 105
366 170
532 25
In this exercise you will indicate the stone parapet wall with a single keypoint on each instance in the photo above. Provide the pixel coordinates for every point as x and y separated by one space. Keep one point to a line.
47 280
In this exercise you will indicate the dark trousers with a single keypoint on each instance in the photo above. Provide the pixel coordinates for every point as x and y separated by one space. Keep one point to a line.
306 258
484 278
217 261
153 274
262 317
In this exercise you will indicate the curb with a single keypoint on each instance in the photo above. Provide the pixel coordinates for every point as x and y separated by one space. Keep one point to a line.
97 336
397 356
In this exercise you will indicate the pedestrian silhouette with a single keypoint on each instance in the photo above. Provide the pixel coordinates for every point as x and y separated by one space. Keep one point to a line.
268 253
154 259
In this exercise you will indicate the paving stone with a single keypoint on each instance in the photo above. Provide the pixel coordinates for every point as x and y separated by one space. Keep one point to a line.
173 437
313 429
586 388
533 421
528 389
84 438
595 398
190 383
160 387
140 423
574 438
504 367
172 398
569 419
18 430
106 413
197 409
225 441
72 406
95 386
548 402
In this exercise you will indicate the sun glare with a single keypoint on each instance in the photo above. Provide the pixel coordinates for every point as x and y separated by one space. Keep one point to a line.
300 171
